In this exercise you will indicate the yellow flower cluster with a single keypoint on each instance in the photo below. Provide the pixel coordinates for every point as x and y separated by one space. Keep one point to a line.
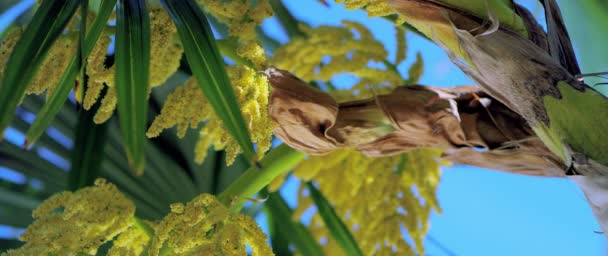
166 52
242 17
373 7
69 223
132 242
79 223
351 49
204 226
188 107
57 59
375 198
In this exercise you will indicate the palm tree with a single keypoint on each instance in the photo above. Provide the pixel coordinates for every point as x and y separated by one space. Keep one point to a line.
381 141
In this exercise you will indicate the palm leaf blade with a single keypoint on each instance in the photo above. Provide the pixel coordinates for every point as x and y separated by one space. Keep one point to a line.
207 66
46 26
132 75
334 224
66 83
296 233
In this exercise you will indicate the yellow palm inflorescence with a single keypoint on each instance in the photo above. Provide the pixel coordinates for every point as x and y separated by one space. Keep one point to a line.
376 198
204 226
77 222
242 17
57 59
187 107
132 242
373 7
327 51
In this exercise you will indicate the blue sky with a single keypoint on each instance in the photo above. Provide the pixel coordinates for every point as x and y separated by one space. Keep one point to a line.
485 212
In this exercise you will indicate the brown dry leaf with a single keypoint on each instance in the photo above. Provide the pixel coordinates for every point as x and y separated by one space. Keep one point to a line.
452 119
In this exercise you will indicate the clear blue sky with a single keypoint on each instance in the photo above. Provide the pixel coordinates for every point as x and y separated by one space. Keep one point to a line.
485 212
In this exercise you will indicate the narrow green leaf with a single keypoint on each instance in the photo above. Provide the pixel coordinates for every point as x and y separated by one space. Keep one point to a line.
278 240
81 54
65 119
12 198
32 165
288 22
88 151
406 26
6 244
334 223
207 66
55 101
10 11
15 216
132 75
277 161
295 232
45 140
46 25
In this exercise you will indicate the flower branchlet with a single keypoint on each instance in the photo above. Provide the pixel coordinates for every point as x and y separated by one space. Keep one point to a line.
188 107
204 226
327 51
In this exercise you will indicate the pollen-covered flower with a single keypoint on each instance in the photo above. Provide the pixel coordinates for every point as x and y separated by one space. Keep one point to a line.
69 223
374 197
53 65
99 74
166 49
242 18
188 107
327 51
57 59
131 242
204 226
373 7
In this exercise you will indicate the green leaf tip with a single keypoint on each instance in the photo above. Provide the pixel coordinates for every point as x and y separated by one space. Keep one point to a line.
207 65
132 75
338 230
